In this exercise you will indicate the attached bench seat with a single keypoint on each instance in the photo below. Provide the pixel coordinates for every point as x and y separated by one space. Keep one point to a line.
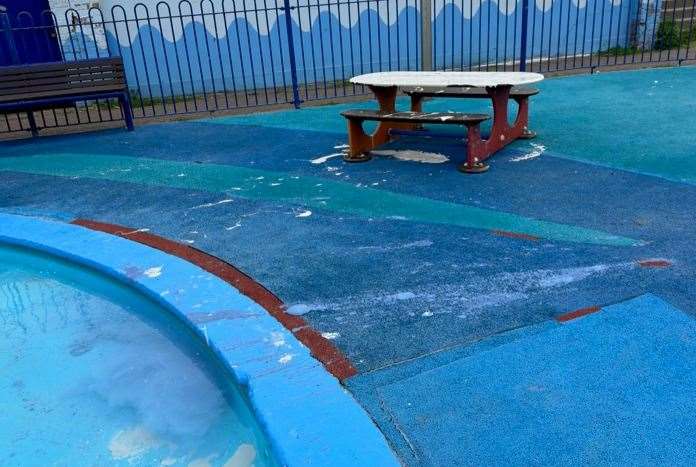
42 86
452 118
361 143
476 93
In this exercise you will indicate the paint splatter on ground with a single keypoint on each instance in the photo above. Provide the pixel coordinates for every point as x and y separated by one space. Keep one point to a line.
406 265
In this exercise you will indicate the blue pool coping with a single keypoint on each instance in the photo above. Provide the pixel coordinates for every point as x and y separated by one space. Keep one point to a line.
307 416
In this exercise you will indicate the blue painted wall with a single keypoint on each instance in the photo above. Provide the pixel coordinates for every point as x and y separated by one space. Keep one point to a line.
217 51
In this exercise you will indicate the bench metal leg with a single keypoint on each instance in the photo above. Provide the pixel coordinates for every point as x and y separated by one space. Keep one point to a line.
502 133
359 142
124 102
523 118
416 103
32 124
476 151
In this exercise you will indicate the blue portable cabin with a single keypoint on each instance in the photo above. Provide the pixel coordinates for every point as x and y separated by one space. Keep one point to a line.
27 33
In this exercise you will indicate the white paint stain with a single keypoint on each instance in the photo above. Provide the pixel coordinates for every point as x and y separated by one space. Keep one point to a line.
384 248
410 155
322 159
153 272
285 358
132 443
209 205
400 296
136 231
277 339
243 457
298 310
537 150
202 461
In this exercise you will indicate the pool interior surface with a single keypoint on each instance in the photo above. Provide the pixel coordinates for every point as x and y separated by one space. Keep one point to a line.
94 373
418 273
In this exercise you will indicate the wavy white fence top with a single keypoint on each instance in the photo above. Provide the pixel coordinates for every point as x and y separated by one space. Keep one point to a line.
125 17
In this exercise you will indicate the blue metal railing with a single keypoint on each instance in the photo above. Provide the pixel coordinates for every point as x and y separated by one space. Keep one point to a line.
197 56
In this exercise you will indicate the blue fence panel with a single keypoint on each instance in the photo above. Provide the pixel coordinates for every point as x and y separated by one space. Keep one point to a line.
195 56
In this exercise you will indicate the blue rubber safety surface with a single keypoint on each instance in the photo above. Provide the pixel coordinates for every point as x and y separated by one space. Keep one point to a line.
397 261
611 388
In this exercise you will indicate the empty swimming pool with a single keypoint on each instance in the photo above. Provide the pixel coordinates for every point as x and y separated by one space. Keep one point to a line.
95 373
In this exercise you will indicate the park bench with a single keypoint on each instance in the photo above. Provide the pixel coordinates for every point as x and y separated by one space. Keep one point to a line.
361 143
499 87
41 86
417 93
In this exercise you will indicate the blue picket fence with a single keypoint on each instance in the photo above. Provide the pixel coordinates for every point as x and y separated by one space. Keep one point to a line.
187 57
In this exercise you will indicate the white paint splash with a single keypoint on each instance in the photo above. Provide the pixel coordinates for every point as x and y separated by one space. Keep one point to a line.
202 461
400 296
302 308
298 310
209 205
322 159
132 443
330 335
277 339
413 156
243 457
475 292
384 248
537 150
136 231
305 213
570 275
153 272
285 358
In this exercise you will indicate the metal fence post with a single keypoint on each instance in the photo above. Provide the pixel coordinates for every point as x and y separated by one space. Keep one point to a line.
296 101
523 35
426 35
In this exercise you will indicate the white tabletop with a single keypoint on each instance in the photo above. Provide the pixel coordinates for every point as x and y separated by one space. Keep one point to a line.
474 79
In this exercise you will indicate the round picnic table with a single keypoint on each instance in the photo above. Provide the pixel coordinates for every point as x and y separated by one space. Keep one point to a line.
497 86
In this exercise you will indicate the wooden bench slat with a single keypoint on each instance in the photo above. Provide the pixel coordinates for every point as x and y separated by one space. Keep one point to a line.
415 117
53 66
61 93
13 86
38 74
516 91
60 85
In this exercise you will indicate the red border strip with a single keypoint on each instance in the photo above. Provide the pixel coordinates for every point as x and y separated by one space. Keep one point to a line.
322 349
577 313
654 263
518 235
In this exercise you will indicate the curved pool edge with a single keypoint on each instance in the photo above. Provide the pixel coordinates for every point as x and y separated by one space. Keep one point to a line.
308 417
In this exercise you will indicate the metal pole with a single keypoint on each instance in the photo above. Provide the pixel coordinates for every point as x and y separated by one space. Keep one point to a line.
296 101
426 35
523 35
